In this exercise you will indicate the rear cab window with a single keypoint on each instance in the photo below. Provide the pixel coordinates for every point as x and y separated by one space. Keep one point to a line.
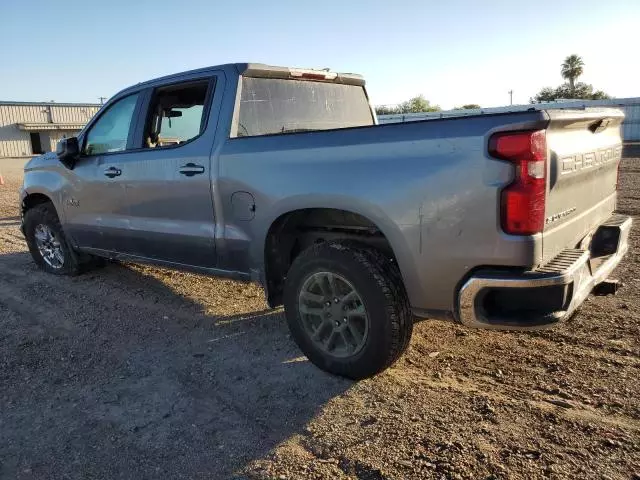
270 106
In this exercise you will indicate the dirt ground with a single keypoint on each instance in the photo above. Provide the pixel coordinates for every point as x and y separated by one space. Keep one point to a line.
140 372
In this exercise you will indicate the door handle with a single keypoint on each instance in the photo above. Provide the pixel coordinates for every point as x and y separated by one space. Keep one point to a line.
191 169
112 172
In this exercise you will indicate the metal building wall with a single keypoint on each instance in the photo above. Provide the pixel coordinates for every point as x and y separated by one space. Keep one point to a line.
17 143
56 135
630 126
73 114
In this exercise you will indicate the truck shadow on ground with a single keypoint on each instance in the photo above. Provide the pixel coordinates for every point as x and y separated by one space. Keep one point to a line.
115 375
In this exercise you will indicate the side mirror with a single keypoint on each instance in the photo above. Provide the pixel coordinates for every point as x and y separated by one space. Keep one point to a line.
68 151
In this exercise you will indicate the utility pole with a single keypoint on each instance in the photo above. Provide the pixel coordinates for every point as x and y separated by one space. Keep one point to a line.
510 92
102 99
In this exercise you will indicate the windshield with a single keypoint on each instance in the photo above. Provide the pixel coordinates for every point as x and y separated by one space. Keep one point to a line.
273 105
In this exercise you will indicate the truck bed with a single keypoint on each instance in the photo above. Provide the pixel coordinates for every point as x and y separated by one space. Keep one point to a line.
432 189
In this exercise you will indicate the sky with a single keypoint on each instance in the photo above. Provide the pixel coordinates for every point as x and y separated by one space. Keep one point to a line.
453 52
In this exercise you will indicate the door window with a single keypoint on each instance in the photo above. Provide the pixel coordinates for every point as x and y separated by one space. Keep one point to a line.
111 130
176 114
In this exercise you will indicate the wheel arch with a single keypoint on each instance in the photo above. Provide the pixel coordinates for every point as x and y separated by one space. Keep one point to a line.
357 221
39 183
33 199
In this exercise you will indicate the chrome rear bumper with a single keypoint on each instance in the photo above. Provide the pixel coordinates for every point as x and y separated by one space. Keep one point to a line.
578 269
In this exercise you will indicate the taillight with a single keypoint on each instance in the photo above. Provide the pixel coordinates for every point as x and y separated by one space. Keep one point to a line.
523 200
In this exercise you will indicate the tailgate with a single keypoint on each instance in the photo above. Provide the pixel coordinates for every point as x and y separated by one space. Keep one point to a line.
585 148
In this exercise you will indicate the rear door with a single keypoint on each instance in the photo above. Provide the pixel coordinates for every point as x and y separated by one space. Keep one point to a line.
585 148
168 185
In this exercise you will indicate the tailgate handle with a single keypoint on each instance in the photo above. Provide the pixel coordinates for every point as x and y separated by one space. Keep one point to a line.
600 125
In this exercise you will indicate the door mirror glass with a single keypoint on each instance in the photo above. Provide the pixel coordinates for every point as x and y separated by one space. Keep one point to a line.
68 151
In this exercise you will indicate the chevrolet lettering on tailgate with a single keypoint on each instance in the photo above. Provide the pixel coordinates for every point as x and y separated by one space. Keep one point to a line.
581 161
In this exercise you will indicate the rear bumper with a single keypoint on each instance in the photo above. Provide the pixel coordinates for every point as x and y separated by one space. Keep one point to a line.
569 278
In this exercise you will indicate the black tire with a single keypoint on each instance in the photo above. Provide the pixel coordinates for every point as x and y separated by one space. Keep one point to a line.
45 214
378 282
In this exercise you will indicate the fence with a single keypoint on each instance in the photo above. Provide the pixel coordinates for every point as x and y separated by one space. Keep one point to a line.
630 126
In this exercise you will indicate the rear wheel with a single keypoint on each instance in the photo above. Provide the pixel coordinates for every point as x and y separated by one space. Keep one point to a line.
347 309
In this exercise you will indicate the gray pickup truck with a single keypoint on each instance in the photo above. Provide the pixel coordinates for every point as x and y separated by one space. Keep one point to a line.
281 176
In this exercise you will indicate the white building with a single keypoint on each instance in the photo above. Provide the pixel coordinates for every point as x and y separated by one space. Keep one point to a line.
30 128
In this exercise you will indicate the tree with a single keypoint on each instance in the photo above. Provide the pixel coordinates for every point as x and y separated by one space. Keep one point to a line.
599 95
581 91
572 69
547 94
417 104
386 110
469 106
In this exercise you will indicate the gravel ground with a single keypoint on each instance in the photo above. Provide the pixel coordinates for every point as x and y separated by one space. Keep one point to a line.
140 372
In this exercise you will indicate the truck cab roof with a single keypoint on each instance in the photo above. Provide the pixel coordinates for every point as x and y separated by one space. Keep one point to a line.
258 70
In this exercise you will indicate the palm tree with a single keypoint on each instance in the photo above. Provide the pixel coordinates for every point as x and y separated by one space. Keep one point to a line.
572 69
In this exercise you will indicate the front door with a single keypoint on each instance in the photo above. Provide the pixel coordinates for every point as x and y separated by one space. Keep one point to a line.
168 183
96 214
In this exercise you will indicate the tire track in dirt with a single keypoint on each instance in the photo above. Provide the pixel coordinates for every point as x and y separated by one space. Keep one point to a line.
521 365
100 294
9 237
502 394
94 293
35 314
221 400
525 385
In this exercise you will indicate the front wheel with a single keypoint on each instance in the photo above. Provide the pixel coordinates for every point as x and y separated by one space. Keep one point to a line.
47 243
347 309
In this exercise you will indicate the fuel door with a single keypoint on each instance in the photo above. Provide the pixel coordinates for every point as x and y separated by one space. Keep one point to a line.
243 206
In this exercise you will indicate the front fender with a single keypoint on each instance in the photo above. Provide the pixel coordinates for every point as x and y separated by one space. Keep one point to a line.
44 182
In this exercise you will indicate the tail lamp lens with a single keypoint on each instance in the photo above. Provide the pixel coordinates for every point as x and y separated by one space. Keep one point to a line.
523 200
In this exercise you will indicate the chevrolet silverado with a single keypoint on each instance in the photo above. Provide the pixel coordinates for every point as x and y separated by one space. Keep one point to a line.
281 176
